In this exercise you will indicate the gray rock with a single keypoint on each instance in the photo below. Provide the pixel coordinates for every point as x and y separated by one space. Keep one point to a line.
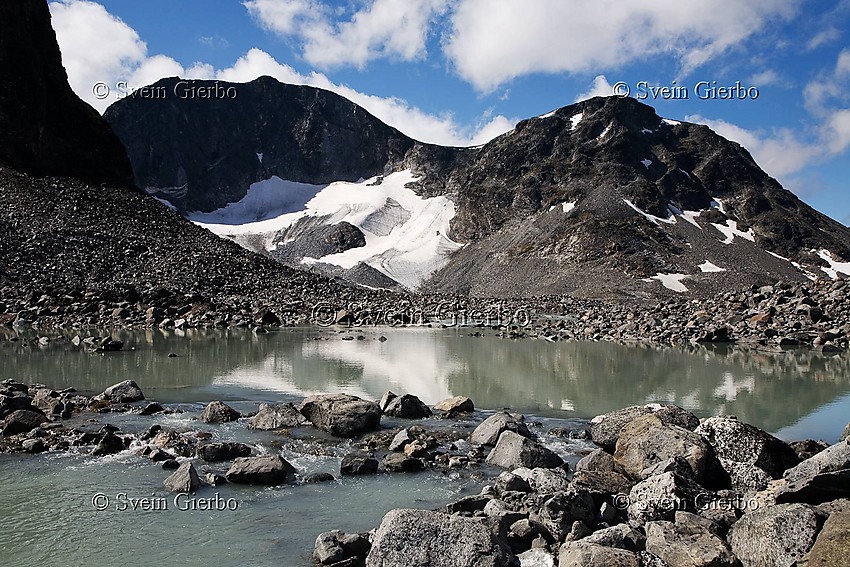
734 440
419 538
744 477
341 415
687 545
184 479
22 421
647 441
407 406
605 429
559 512
846 433
821 488
457 404
48 401
676 464
214 452
509 482
513 451
807 448
544 480
775 535
386 399
219 412
598 460
317 477
660 496
335 546
601 483
122 393
267 469
472 503
833 542
34 446
401 439
354 464
621 536
398 462
583 554
835 458
489 430
109 444
536 558
276 416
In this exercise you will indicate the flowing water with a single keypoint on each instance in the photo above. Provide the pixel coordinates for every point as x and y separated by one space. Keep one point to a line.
48 502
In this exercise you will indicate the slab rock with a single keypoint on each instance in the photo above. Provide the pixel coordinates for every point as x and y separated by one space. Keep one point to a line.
489 430
687 545
341 415
267 469
457 404
219 412
407 406
276 416
184 479
605 429
775 535
818 479
513 451
741 442
647 441
422 538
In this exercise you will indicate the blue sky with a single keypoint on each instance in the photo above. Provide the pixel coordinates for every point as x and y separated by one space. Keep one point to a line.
463 71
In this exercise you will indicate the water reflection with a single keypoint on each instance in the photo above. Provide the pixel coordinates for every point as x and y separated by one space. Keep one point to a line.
773 390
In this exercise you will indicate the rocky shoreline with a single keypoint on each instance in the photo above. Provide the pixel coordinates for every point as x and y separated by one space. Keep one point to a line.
656 485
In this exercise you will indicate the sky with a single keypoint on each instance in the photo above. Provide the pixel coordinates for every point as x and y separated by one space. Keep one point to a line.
773 75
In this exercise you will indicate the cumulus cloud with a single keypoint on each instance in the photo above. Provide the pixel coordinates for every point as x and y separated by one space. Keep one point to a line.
493 41
765 78
394 29
81 27
599 87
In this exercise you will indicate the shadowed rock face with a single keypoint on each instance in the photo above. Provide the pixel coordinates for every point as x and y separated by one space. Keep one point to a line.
45 129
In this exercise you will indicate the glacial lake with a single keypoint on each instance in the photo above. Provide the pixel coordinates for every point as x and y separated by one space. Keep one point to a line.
47 500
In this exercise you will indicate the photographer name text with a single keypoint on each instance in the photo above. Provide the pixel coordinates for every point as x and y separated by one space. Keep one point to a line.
702 90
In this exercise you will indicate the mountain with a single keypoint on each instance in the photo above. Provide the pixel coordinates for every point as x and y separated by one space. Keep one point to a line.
45 129
603 198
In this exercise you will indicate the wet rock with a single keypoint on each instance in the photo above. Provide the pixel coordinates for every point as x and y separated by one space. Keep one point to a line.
583 554
109 444
473 503
152 408
397 462
358 464
736 441
489 430
215 479
22 421
219 412
276 416
215 452
48 401
407 538
775 535
647 441
687 545
605 429
184 479
407 406
335 546
317 477
830 548
457 404
513 451
122 393
341 415
34 446
267 469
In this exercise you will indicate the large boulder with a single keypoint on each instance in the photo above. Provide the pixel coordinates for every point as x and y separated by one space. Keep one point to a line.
215 452
660 496
219 412
647 441
489 430
741 442
276 416
22 421
775 535
407 406
341 415
833 542
184 479
513 451
583 554
268 469
122 393
687 545
605 429
420 538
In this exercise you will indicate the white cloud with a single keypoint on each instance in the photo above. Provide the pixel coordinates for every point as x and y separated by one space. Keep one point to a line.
494 41
823 37
81 27
394 29
765 78
599 87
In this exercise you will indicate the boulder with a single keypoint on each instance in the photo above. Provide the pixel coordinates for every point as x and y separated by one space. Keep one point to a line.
34 446
823 487
509 482
736 441
597 460
489 430
354 464
583 554
745 478
184 479
513 451
621 536
214 452
398 462
536 558
386 399
833 542
660 496
601 483
122 393
544 480
317 477
559 512
341 415
22 421
267 469
846 433
835 458
219 412
457 404
807 448
48 401
335 546
647 441
401 439
775 535
605 429
407 406
687 545
416 538
276 416
109 444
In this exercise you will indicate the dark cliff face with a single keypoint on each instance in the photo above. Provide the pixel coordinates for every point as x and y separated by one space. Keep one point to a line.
202 153
45 129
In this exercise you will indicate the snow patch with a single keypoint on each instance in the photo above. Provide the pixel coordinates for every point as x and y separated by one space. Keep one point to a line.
575 119
670 281
730 231
568 206
647 131
834 267
717 204
604 132
260 157
707 268
778 256
670 122
646 163
670 220
548 114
